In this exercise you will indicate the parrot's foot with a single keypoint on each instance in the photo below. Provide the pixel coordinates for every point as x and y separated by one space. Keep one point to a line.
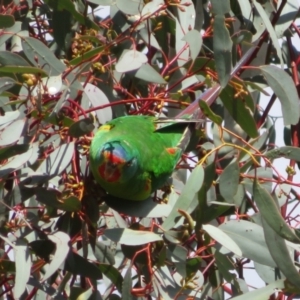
167 190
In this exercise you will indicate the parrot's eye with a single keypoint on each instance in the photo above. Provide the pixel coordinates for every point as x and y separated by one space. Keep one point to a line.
129 163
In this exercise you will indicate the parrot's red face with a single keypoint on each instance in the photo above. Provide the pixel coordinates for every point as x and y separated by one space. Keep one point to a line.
115 162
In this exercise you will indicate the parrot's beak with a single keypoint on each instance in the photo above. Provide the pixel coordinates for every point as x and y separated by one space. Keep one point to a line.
111 172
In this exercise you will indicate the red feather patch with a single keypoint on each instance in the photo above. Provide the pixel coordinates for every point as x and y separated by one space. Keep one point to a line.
109 176
171 151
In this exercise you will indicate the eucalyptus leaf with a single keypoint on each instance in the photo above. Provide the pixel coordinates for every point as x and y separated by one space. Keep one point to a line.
284 88
131 237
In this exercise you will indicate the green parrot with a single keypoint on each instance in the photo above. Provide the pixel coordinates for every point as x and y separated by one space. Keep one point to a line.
131 157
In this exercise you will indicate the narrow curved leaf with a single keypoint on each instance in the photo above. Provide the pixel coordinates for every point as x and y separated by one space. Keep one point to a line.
12 59
222 50
15 163
220 7
262 293
239 111
207 112
189 192
152 7
21 70
9 117
81 127
98 98
103 253
6 136
288 152
23 267
131 237
6 83
127 285
147 208
270 29
229 181
130 60
130 7
280 254
10 151
41 56
284 88
148 73
6 21
194 39
61 240
78 265
271 214
287 16
251 240
58 160
221 237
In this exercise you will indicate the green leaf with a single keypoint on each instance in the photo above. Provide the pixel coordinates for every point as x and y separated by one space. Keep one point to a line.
280 254
149 74
113 274
270 29
131 237
71 203
287 16
62 28
147 208
6 83
10 151
188 193
288 152
222 238
22 70
151 7
209 113
41 56
193 265
81 128
284 88
229 181
103 253
130 7
12 59
239 112
268 274
194 39
70 6
49 198
77 265
127 286
16 127
225 265
222 50
130 60
61 241
15 163
98 98
58 160
262 293
220 7
271 214
6 21
23 267
250 239
86 56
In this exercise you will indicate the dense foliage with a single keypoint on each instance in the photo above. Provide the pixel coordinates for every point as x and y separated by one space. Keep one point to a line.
65 69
